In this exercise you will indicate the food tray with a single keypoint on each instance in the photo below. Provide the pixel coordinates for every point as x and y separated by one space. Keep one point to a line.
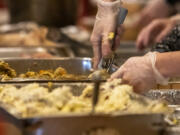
171 85
79 66
172 96
74 124
19 52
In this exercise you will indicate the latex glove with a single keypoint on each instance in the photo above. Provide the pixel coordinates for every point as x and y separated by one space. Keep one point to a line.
156 31
141 73
104 29
154 9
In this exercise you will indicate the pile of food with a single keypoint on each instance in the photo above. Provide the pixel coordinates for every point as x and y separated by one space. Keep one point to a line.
57 74
7 73
35 37
35 100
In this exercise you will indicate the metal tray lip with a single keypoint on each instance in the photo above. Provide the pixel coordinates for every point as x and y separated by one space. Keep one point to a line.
174 82
58 45
61 58
82 115
85 115
64 47
28 81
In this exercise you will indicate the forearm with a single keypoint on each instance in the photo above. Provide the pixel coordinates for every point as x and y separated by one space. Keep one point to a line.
168 64
176 19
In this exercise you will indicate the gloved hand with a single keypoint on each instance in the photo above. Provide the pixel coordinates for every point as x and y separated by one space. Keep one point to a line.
156 31
104 29
141 73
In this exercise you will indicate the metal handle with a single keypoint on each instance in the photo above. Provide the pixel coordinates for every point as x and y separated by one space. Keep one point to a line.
122 15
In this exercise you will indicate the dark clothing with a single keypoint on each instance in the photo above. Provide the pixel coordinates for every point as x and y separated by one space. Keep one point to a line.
172 2
170 43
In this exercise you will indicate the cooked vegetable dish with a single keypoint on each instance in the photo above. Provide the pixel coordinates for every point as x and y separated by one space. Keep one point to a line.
34 100
7 73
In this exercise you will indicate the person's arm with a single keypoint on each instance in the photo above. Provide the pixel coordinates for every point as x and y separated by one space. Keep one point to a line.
156 31
154 9
168 64
143 73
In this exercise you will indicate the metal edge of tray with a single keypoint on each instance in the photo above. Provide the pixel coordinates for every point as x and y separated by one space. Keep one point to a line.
172 96
148 122
15 52
72 65
151 123
51 49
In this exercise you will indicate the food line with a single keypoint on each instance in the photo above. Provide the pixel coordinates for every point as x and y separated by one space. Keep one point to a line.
45 89
33 70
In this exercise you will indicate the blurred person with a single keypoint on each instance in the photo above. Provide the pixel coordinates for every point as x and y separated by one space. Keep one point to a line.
156 9
155 14
156 31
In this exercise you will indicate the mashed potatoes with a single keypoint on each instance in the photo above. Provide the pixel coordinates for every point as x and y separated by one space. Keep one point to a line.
34 100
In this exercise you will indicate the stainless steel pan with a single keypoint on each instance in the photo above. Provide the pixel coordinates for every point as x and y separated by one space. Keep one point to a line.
18 52
79 124
72 65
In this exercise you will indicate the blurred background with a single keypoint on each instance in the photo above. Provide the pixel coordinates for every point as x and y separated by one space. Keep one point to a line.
55 13
50 29
67 22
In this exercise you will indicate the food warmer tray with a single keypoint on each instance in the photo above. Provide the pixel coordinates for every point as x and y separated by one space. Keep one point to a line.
82 66
82 124
18 52
172 96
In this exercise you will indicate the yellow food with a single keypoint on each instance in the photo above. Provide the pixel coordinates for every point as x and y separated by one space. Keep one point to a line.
102 131
6 72
57 74
35 100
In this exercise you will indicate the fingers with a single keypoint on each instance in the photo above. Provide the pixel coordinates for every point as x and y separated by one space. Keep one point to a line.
148 34
164 33
106 45
96 43
97 54
118 37
140 42
117 43
108 37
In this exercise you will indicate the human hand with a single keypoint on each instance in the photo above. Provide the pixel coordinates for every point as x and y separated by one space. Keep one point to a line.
105 28
140 72
156 31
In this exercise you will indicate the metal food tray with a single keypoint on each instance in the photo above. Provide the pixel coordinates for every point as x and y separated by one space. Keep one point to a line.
170 85
76 66
79 124
59 49
18 52
79 66
172 96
